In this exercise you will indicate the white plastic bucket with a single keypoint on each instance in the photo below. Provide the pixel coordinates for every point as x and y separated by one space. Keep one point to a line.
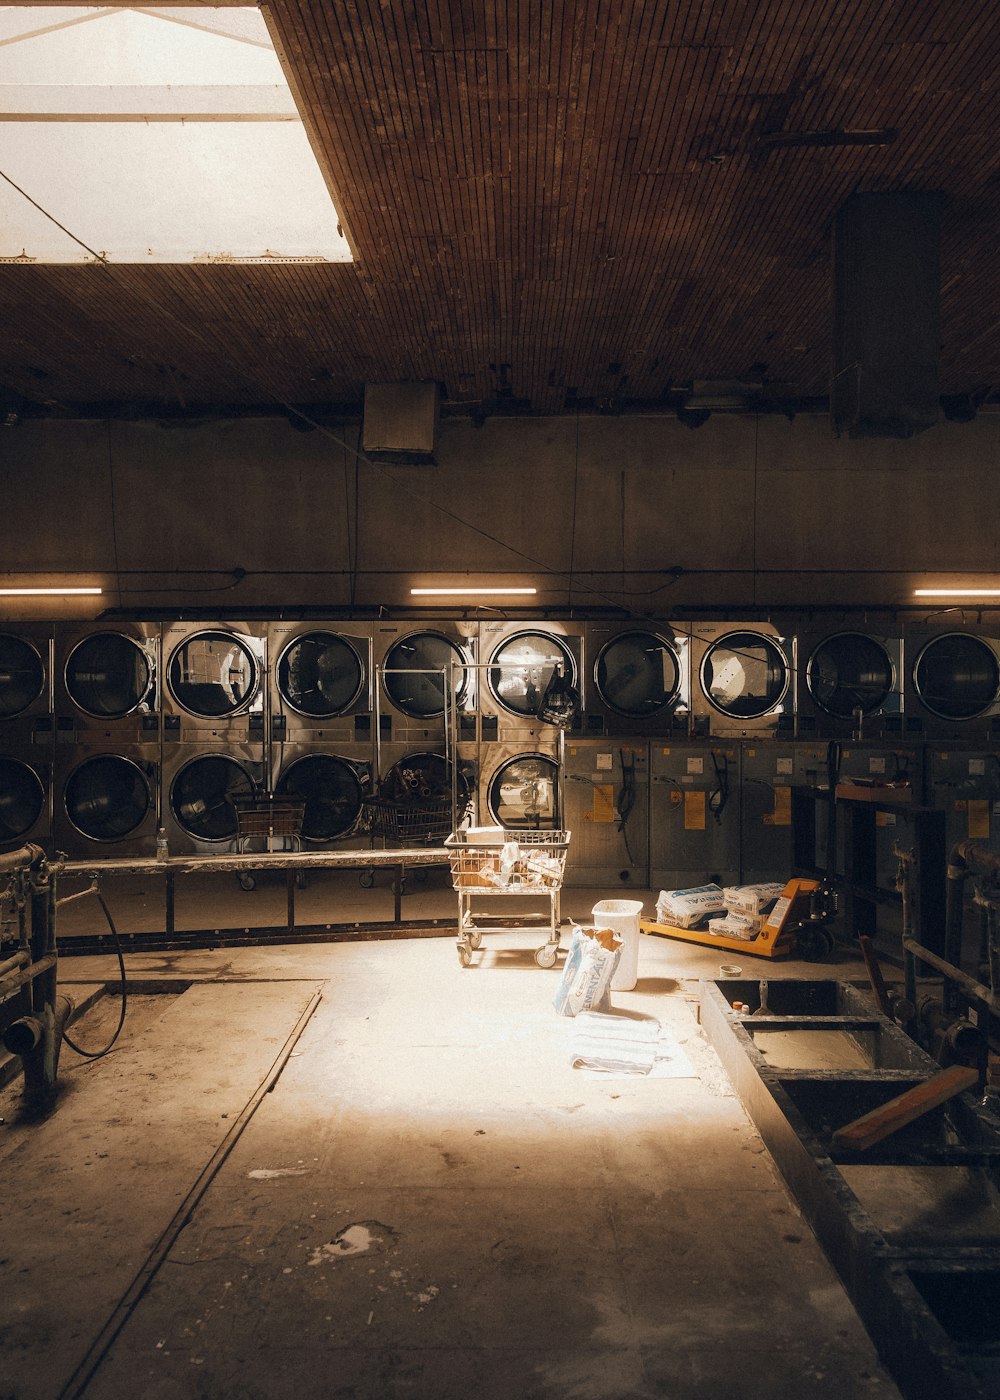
622 916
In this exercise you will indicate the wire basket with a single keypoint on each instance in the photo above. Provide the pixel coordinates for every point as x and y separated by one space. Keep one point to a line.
263 814
422 822
485 859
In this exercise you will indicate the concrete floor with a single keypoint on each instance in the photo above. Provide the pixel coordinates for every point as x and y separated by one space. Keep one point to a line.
431 1203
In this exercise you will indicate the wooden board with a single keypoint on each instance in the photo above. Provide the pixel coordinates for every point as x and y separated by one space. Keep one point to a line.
880 1123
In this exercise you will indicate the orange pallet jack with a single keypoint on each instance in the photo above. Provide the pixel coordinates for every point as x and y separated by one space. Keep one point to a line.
791 927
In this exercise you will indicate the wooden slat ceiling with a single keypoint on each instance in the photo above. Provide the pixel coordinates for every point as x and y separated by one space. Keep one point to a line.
558 205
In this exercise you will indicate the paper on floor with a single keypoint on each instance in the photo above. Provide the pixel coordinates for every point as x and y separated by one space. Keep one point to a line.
605 1044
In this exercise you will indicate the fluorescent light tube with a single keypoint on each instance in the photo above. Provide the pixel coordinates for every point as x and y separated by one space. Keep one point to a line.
49 592
468 592
956 593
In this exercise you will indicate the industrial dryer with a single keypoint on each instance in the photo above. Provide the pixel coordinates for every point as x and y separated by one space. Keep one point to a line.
321 739
636 679
742 679
850 685
606 807
214 701
107 740
26 734
694 822
519 784
952 685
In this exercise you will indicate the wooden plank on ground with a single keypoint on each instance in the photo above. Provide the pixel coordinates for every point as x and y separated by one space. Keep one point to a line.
880 1123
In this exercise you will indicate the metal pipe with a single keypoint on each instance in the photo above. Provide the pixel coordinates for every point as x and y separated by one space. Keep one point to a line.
92 888
23 1036
21 859
969 985
12 964
19 979
966 858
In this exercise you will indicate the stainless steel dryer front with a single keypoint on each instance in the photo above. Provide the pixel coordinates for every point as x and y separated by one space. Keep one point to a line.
637 679
849 684
107 683
952 683
321 735
199 786
743 679
519 661
26 734
105 799
213 681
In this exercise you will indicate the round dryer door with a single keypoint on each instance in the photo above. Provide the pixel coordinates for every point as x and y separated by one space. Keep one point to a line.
108 675
415 671
744 675
637 675
22 798
524 793
107 797
213 674
22 676
957 676
422 777
522 666
202 793
332 791
321 674
850 672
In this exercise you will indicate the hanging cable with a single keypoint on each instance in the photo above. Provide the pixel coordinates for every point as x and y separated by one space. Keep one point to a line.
99 1054
719 795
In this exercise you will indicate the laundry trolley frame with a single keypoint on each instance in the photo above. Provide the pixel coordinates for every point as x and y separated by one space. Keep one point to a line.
475 851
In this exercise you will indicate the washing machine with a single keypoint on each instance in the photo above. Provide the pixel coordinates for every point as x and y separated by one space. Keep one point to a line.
637 679
952 683
321 740
770 768
694 814
743 680
849 684
26 734
606 807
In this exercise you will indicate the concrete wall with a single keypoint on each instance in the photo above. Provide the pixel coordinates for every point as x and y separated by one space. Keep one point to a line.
593 511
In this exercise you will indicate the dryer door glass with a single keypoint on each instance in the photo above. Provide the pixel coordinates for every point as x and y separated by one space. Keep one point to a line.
744 674
332 790
22 798
414 674
850 672
213 674
202 793
637 674
320 673
524 793
522 666
423 777
22 676
957 676
107 797
108 675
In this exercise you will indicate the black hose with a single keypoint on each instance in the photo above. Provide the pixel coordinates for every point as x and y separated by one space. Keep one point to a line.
720 794
99 1054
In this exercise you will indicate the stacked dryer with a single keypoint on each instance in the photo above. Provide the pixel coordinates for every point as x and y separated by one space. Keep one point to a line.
214 695
320 724
107 740
520 783
427 687
26 733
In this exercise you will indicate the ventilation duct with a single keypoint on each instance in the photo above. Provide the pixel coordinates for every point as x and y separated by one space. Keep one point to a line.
401 422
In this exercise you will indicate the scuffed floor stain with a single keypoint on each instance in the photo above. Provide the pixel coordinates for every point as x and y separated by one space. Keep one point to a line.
269 1173
359 1238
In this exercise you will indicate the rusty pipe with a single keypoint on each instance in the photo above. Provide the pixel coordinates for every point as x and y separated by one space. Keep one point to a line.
23 1036
965 858
21 859
19 960
969 985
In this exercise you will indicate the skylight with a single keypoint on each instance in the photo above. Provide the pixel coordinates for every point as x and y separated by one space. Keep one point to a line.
162 135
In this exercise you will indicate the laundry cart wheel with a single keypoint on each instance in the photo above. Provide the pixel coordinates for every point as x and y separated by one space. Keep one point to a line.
366 879
247 881
464 954
546 955
475 937
301 880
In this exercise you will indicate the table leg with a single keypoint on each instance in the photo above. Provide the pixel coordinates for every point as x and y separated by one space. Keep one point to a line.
290 887
168 912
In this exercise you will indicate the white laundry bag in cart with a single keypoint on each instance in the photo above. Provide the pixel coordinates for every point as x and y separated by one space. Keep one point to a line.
622 916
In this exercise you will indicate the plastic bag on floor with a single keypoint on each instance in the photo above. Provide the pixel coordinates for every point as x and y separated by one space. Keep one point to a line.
585 984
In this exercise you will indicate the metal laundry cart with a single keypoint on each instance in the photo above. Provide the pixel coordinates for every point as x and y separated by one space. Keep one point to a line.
492 862
267 817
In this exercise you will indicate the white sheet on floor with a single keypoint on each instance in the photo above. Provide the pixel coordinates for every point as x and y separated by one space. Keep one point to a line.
606 1044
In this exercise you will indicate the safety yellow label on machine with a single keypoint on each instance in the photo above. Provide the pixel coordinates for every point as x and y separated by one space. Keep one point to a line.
782 806
603 809
979 819
694 810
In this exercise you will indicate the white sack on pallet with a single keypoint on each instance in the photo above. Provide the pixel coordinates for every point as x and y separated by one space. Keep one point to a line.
585 984
742 926
684 908
750 899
